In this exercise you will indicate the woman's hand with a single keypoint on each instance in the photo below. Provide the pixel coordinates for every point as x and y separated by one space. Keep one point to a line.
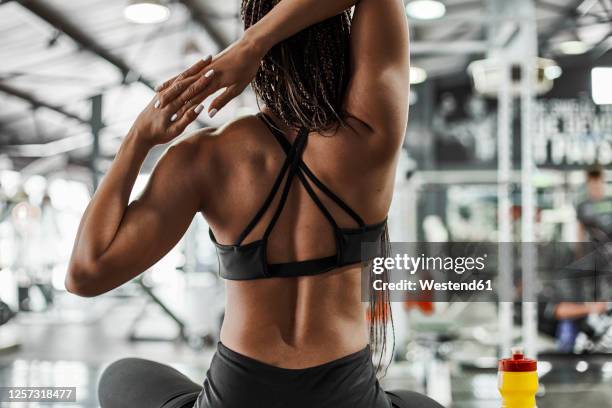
231 70
176 105
235 68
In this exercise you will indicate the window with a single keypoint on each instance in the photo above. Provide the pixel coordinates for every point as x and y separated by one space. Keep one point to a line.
601 80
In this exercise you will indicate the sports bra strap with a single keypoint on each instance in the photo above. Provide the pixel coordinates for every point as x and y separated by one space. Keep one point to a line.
332 195
278 135
275 187
282 140
316 199
296 155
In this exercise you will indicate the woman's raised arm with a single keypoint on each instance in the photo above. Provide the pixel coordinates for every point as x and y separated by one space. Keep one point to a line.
378 91
116 241
236 66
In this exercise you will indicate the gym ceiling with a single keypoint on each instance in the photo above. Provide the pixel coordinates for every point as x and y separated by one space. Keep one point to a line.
55 55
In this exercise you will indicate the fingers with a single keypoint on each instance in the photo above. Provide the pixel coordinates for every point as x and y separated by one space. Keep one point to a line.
194 69
190 104
185 119
193 103
170 94
199 89
165 85
182 95
220 101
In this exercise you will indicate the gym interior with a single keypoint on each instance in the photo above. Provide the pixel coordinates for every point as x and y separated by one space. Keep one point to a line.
509 141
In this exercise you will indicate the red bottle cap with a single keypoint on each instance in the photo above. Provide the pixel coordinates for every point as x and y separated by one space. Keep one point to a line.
518 363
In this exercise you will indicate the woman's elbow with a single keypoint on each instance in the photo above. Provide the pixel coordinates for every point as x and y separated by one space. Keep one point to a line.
82 279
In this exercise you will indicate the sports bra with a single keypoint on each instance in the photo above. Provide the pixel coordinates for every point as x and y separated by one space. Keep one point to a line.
249 261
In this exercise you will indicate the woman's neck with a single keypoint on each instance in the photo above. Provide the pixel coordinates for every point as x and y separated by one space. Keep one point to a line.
278 123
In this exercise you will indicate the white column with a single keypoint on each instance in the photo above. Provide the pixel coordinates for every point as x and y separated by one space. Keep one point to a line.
504 168
529 255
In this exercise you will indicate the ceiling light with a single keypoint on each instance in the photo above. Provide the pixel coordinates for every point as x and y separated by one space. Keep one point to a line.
489 75
573 47
425 9
553 72
601 85
417 75
146 11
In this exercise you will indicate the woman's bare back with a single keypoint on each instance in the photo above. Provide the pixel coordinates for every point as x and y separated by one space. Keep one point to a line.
305 321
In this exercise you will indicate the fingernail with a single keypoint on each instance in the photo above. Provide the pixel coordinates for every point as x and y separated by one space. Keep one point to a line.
157 103
212 112
174 117
207 58
209 73
198 109
157 88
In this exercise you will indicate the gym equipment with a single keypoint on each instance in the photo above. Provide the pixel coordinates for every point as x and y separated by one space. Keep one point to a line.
6 313
195 341
9 339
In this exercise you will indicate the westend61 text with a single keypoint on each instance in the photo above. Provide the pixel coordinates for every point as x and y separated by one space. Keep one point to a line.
431 285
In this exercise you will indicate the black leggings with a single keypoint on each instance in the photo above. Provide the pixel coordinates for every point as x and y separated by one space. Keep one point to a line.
139 383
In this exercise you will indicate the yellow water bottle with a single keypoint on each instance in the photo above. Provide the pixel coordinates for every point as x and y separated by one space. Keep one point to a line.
518 380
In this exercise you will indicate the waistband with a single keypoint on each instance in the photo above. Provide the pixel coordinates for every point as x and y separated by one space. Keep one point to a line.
347 382
357 357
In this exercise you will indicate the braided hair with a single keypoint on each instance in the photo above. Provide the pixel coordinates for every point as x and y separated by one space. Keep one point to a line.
304 78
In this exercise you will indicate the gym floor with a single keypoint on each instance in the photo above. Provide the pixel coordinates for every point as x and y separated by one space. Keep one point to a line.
74 354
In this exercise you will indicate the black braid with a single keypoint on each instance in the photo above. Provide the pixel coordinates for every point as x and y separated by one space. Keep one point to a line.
303 79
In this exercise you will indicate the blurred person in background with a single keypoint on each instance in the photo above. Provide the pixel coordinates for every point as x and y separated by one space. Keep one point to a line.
48 248
595 212
587 279
25 219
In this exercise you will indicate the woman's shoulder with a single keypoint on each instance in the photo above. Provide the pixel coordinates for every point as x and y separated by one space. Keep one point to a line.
242 129
234 144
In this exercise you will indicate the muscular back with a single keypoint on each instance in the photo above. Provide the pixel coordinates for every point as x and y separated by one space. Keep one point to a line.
292 322
305 321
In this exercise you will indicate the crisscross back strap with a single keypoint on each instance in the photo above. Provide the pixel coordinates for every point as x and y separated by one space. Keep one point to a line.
297 149
291 152
332 195
305 171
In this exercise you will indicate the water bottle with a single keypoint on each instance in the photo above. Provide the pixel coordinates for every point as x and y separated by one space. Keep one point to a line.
518 380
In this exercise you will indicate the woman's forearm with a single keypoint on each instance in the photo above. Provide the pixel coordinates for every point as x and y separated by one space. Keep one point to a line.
289 17
104 213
